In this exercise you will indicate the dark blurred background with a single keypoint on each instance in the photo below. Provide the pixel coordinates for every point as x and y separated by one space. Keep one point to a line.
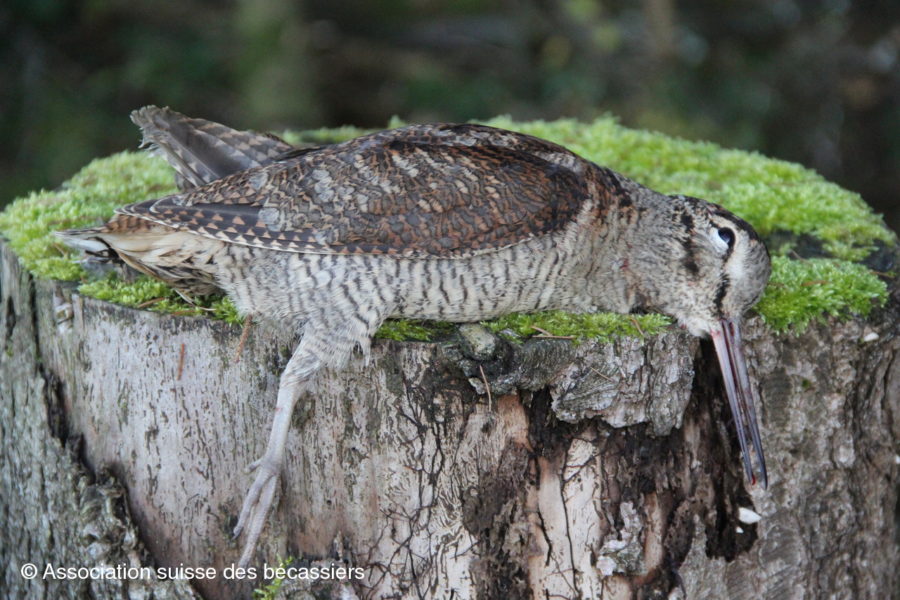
812 82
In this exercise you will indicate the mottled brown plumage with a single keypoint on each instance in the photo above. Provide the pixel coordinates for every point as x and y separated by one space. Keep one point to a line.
451 222
432 190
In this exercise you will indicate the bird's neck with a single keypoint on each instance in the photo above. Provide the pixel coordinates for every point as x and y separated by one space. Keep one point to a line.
650 243
631 252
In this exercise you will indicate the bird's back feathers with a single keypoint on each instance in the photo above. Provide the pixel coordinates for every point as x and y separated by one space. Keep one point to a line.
426 190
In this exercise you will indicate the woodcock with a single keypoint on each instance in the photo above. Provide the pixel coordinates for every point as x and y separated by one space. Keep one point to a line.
441 221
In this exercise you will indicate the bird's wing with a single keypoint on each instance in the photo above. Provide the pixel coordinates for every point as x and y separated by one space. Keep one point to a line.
438 190
203 151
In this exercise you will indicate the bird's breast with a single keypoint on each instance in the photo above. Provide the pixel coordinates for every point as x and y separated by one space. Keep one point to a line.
536 275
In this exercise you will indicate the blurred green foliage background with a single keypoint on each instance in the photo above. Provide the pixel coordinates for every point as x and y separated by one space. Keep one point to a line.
817 82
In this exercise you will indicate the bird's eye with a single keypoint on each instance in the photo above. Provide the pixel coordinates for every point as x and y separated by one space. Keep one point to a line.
727 236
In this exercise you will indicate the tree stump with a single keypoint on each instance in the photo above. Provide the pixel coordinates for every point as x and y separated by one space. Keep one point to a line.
439 470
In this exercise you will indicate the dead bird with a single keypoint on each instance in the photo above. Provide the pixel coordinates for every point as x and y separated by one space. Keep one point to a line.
456 222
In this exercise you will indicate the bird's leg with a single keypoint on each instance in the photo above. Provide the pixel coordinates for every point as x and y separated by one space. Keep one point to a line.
258 501
328 339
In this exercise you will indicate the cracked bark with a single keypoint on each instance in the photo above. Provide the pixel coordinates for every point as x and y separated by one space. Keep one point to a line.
596 471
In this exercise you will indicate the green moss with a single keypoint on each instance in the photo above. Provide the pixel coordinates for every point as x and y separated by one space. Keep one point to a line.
602 326
772 195
801 291
151 294
411 329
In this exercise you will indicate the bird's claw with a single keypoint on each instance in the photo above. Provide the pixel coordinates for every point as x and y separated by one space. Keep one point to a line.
257 504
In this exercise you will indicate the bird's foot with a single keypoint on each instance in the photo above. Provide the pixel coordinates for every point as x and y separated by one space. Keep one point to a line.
257 504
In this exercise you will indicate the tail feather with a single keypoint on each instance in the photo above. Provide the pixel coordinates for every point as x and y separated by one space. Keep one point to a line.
95 242
84 240
202 151
181 259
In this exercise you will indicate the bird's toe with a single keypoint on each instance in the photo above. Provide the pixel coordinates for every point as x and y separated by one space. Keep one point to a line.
257 504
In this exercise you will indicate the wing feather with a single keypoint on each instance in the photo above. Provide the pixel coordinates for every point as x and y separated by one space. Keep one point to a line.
434 190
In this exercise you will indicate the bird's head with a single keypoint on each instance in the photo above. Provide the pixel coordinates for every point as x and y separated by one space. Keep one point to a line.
721 266
710 268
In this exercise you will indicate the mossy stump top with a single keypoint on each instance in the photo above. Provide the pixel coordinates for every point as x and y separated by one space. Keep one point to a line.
827 244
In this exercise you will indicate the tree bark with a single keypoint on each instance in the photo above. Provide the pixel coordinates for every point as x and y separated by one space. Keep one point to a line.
546 470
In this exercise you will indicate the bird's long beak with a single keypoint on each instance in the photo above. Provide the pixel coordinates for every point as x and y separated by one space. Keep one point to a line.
727 339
